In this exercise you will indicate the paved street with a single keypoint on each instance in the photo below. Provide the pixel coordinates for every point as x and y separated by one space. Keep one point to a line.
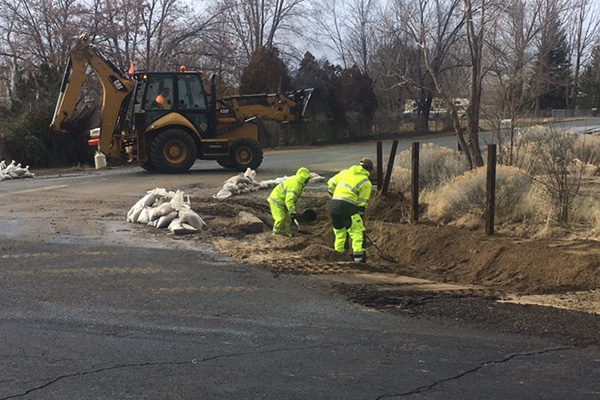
104 322
91 308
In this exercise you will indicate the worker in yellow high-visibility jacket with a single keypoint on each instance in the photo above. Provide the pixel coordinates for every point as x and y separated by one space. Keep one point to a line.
283 201
351 191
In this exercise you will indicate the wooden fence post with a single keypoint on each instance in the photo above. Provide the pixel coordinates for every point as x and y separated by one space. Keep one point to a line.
379 165
390 166
414 218
490 203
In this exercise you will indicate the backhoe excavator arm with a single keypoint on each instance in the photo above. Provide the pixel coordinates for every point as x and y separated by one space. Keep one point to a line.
281 107
116 89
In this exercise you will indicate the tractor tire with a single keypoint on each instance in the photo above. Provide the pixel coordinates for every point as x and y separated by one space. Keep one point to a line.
148 166
225 162
173 151
246 153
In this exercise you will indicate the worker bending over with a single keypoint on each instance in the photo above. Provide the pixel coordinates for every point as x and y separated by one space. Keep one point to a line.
283 201
350 190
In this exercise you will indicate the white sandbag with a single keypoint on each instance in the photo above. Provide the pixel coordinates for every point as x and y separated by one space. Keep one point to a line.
134 213
223 194
269 183
314 178
234 180
179 228
161 210
191 218
178 202
153 198
250 173
165 220
147 200
143 218
240 183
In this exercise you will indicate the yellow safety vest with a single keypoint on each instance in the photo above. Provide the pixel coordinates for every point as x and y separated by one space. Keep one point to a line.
351 185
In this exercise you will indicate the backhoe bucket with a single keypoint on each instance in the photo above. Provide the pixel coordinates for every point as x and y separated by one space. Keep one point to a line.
313 107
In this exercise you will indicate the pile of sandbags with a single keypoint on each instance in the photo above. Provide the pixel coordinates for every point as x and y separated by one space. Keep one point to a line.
246 182
166 209
14 171
241 183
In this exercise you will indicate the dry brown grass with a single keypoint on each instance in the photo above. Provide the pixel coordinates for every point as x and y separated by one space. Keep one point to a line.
463 198
436 166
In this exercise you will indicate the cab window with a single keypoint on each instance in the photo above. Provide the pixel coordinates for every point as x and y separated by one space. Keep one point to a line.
159 93
191 92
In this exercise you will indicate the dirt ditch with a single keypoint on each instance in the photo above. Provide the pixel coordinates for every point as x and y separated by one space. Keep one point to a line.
446 272
437 253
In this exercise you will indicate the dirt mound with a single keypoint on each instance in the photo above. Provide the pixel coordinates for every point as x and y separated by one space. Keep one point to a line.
443 254
450 254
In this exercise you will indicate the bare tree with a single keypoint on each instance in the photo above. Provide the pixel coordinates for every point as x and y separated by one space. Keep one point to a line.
331 29
362 35
585 27
117 26
556 169
350 30
259 23
43 28
512 47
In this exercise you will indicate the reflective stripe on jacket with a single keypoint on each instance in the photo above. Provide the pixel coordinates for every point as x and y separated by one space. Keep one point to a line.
351 185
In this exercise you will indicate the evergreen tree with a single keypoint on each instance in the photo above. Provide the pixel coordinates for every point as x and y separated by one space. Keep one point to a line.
37 90
325 78
266 73
25 130
551 79
356 92
589 85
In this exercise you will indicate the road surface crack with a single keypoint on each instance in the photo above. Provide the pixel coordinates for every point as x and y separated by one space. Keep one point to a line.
484 364
149 364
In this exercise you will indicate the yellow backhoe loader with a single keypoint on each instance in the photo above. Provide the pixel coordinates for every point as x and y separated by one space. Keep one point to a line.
166 120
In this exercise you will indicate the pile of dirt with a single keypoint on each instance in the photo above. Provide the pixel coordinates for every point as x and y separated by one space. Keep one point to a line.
438 253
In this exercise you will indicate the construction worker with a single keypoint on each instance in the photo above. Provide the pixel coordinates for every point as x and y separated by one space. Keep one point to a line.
350 190
283 201
162 99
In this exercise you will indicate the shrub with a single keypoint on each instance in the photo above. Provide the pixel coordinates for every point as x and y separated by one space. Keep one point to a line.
586 212
551 159
465 196
25 135
587 149
436 166
27 138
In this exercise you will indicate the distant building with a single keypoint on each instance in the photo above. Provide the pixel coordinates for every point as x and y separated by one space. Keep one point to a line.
438 107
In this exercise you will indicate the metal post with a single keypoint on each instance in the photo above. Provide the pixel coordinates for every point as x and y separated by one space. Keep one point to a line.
491 190
414 217
379 165
390 166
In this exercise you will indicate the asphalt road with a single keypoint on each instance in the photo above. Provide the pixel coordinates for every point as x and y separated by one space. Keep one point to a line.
112 314
330 159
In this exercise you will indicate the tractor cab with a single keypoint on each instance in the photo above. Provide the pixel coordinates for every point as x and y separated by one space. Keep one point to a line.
173 98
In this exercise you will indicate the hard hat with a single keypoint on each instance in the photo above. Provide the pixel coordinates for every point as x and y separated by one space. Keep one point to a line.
367 164
303 174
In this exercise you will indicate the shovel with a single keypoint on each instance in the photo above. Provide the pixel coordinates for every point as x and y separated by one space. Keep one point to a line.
381 253
300 230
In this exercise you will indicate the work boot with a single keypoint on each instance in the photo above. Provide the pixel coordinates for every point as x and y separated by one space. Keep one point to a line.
360 257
